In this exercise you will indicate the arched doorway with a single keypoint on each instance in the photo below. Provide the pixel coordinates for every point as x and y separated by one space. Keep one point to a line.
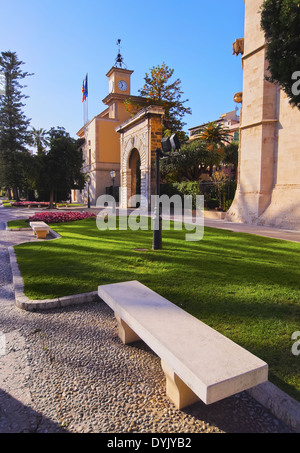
135 170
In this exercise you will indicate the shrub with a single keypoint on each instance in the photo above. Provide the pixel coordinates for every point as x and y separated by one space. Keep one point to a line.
182 188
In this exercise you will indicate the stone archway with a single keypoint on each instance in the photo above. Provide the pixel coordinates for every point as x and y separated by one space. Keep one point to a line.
140 137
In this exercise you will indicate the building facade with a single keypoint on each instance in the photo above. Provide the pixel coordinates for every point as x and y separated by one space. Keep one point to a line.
101 148
268 190
229 121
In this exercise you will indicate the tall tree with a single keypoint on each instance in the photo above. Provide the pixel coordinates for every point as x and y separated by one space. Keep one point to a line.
61 165
280 21
159 89
14 134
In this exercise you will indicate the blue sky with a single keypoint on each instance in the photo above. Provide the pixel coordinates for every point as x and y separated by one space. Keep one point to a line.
62 40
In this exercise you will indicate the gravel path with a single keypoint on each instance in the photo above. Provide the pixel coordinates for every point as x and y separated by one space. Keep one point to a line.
66 370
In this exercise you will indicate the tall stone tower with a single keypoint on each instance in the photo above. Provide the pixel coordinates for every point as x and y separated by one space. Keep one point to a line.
269 159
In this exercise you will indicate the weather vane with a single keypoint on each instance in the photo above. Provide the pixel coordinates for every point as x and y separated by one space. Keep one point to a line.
119 60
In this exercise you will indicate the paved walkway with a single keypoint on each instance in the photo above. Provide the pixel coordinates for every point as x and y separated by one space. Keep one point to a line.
275 233
65 370
16 413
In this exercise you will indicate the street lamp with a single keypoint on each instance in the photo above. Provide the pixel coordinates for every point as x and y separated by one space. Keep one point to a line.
168 145
113 177
88 180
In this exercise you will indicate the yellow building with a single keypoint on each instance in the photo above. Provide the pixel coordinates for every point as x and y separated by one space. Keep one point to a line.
101 148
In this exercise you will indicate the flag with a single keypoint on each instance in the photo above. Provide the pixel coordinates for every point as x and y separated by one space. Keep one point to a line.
85 89
83 92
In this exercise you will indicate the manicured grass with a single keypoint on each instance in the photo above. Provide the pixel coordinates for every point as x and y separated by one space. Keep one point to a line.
244 286
6 204
22 223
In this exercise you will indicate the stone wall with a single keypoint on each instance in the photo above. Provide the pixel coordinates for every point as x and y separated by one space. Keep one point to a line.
268 190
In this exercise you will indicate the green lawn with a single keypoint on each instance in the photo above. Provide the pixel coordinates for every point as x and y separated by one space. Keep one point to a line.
244 286
22 223
6 204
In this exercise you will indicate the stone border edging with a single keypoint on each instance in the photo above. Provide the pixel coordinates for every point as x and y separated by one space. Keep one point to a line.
281 405
24 303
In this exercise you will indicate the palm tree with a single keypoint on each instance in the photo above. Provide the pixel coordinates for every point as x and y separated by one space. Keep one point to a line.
40 140
215 136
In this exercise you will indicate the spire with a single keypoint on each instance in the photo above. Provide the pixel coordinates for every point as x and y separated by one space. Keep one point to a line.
119 60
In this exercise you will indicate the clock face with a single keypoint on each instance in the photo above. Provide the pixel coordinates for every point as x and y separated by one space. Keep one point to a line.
122 85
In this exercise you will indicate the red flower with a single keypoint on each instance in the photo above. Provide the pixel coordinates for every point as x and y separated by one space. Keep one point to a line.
60 217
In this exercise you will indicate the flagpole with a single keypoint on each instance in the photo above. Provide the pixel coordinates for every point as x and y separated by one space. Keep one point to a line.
85 100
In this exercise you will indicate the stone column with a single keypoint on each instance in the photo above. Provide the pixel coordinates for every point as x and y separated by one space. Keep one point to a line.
258 127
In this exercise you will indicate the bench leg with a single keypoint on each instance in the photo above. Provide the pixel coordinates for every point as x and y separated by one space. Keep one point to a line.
126 334
178 392
41 234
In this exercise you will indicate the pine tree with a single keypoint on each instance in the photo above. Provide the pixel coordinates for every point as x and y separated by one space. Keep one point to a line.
14 134
159 89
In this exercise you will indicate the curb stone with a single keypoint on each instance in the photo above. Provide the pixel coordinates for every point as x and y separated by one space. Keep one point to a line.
24 303
282 406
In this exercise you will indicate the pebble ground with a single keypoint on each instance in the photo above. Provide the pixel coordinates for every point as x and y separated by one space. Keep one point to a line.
66 371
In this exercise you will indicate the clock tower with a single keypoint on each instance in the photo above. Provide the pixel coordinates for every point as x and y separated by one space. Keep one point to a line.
119 92
119 81
101 149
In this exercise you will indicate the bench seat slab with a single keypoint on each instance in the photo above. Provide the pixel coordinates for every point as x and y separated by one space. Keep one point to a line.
212 366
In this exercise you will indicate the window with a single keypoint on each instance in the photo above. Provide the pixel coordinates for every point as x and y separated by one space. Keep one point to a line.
236 136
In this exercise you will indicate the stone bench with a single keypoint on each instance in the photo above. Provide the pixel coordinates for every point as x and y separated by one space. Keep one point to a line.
198 362
40 229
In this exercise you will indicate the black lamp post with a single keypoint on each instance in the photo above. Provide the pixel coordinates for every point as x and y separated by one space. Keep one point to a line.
113 177
88 180
168 145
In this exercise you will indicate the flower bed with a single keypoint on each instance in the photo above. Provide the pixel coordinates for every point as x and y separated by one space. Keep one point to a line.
30 203
60 217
